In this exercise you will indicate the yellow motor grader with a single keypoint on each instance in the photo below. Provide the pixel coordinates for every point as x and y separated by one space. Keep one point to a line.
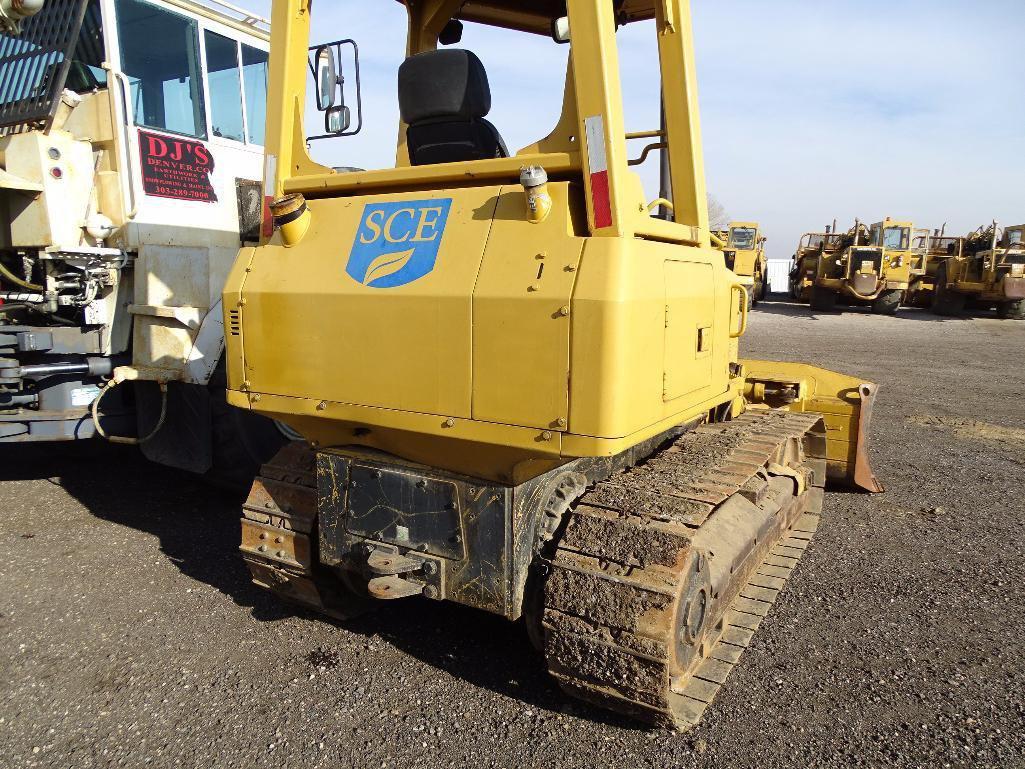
988 270
743 248
520 389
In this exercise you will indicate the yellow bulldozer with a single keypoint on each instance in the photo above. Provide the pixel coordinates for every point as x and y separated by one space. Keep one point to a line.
743 248
519 387
987 270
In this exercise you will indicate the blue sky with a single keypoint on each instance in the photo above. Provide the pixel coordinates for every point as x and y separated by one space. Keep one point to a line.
810 110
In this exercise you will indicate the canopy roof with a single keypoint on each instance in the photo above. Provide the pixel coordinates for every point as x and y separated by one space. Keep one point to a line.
537 15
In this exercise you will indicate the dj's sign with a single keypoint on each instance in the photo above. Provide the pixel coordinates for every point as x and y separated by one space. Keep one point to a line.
176 168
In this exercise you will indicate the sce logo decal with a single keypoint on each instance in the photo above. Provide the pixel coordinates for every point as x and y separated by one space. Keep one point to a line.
398 243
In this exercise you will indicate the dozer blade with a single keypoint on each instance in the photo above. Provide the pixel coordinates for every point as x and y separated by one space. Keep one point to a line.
845 403
863 476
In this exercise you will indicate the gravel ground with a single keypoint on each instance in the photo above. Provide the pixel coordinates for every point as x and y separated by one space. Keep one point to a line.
130 636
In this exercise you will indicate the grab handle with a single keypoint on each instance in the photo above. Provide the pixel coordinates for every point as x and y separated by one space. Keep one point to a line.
739 287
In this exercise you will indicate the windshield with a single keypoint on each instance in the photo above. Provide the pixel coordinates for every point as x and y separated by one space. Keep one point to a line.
743 238
896 238
1015 237
160 55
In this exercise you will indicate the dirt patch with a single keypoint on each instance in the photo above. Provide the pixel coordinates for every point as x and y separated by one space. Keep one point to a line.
623 540
969 429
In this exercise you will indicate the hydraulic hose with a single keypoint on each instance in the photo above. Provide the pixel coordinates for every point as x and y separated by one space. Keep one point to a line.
126 441
18 281
5 308
52 317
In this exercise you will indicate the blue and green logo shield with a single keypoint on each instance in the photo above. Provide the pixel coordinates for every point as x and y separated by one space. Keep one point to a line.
398 243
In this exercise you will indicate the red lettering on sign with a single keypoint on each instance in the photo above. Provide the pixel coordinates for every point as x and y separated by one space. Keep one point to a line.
157 146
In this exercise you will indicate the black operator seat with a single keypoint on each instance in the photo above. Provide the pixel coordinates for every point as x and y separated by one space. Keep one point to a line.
444 97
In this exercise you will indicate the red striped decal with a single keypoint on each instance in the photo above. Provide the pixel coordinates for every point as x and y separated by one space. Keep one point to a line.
597 161
268 218
601 200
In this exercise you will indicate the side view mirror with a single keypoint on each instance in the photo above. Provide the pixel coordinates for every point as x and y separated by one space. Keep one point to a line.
328 78
330 86
337 120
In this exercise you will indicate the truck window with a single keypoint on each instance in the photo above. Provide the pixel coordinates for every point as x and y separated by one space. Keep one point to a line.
225 85
254 76
896 238
160 56
742 238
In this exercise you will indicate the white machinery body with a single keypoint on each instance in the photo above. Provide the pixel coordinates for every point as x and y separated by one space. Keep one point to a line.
123 207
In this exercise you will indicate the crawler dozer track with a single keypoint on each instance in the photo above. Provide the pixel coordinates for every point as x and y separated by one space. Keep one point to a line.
658 580
664 572
279 537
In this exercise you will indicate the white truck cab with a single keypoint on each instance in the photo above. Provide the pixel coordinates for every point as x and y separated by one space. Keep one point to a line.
131 166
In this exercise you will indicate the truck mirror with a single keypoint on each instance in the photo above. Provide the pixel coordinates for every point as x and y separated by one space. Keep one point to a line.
337 120
327 78
328 64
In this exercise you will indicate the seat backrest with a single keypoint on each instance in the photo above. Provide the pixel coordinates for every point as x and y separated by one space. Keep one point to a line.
444 97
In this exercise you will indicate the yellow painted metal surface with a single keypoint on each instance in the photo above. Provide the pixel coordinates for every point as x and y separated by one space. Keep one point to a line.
845 403
517 345
314 331
525 342
856 263
747 262
689 338
620 334
521 319
899 264
990 265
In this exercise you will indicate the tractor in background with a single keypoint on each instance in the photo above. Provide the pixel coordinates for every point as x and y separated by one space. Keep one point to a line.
935 249
988 271
743 248
867 266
